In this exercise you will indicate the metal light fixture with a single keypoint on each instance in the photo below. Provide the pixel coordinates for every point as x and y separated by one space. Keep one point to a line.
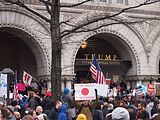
84 44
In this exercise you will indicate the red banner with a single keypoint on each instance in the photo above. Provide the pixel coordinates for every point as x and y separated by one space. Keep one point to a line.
151 88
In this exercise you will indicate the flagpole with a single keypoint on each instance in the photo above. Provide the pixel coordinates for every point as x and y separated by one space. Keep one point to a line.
88 76
15 86
36 81
89 68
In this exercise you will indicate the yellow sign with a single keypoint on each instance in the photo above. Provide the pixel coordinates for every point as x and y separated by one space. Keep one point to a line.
100 57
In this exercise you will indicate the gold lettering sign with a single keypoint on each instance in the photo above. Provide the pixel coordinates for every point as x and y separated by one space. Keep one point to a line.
100 57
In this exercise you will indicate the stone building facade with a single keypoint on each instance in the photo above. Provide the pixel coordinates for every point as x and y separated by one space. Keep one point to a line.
135 45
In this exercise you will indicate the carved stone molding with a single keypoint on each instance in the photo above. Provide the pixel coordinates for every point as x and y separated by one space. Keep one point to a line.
117 34
16 12
68 77
142 77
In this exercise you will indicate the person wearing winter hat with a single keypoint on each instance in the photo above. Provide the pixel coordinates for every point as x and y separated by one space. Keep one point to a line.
10 112
81 117
67 98
10 108
15 104
63 114
120 113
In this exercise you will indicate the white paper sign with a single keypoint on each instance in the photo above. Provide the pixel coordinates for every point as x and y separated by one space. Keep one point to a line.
87 91
115 78
3 85
101 89
84 91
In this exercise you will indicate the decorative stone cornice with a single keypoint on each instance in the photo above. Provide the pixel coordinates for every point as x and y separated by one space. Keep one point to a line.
106 7
68 77
142 77
43 77
115 9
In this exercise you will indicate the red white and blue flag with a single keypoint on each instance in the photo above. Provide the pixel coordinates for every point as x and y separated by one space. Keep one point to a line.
27 78
96 72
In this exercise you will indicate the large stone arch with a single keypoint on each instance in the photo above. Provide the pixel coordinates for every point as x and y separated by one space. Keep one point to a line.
154 55
22 23
129 34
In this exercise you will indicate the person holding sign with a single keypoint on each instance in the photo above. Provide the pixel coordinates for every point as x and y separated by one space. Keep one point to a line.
86 107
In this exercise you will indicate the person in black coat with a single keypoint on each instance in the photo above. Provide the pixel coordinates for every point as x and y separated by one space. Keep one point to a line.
98 114
53 114
47 104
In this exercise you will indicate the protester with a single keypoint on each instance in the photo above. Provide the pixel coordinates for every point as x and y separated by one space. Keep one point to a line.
121 107
63 113
150 106
155 108
132 112
120 113
23 101
28 117
33 114
47 103
10 112
15 105
81 117
40 114
67 99
141 112
3 113
34 100
86 107
17 115
98 114
53 114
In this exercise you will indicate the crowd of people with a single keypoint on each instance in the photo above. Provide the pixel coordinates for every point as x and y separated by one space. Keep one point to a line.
121 107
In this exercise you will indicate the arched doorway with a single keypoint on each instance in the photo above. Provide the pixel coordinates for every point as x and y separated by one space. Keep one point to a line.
112 54
16 54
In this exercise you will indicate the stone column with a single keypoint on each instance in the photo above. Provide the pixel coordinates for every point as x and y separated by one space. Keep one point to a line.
67 81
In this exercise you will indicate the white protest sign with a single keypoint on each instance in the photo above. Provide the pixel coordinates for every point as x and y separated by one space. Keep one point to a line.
102 89
110 93
84 91
3 85
87 91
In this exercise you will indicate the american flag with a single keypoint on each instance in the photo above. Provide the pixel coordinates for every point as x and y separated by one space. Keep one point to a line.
96 72
15 90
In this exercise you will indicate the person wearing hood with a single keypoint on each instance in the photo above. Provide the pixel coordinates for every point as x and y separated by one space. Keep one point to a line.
67 99
63 112
81 117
